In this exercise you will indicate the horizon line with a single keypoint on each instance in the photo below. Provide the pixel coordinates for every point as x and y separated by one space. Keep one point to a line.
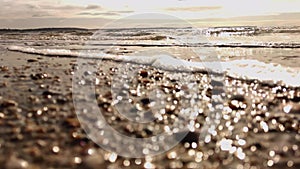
124 28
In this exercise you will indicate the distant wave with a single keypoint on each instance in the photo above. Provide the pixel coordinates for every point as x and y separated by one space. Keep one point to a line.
221 45
291 30
153 41
233 30
258 45
240 69
250 30
44 29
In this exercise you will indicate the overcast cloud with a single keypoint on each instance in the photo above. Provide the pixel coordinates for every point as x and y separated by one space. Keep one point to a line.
45 13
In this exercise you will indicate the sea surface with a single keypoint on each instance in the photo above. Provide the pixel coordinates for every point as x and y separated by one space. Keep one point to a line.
269 54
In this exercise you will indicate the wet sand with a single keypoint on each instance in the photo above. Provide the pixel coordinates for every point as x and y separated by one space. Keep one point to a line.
258 125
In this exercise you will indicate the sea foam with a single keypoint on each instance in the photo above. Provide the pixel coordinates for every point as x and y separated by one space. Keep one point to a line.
240 69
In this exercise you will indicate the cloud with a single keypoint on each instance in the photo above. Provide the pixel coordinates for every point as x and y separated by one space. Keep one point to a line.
99 13
93 7
41 9
58 7
28 9
194 9
211 11
281 19
40 15
53 22
46 9
122 12
274 17
107 13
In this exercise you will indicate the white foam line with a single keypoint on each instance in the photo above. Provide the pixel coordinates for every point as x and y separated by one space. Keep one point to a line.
241 69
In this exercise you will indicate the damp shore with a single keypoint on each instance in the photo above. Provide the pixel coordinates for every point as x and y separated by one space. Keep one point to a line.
257 126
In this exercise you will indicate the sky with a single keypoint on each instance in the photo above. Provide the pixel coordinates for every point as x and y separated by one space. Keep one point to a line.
96 13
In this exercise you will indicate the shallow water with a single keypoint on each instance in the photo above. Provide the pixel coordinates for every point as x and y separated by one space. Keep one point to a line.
269 48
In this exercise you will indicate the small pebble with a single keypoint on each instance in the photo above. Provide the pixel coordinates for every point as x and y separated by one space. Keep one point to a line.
16 163
32 60
8 103
94 161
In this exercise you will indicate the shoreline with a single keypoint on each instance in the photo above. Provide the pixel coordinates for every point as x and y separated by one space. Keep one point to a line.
253 70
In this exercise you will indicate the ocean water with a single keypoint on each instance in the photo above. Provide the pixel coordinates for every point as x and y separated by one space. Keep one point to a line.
269 54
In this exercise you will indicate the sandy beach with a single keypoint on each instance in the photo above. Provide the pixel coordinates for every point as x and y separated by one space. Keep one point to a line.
258 126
